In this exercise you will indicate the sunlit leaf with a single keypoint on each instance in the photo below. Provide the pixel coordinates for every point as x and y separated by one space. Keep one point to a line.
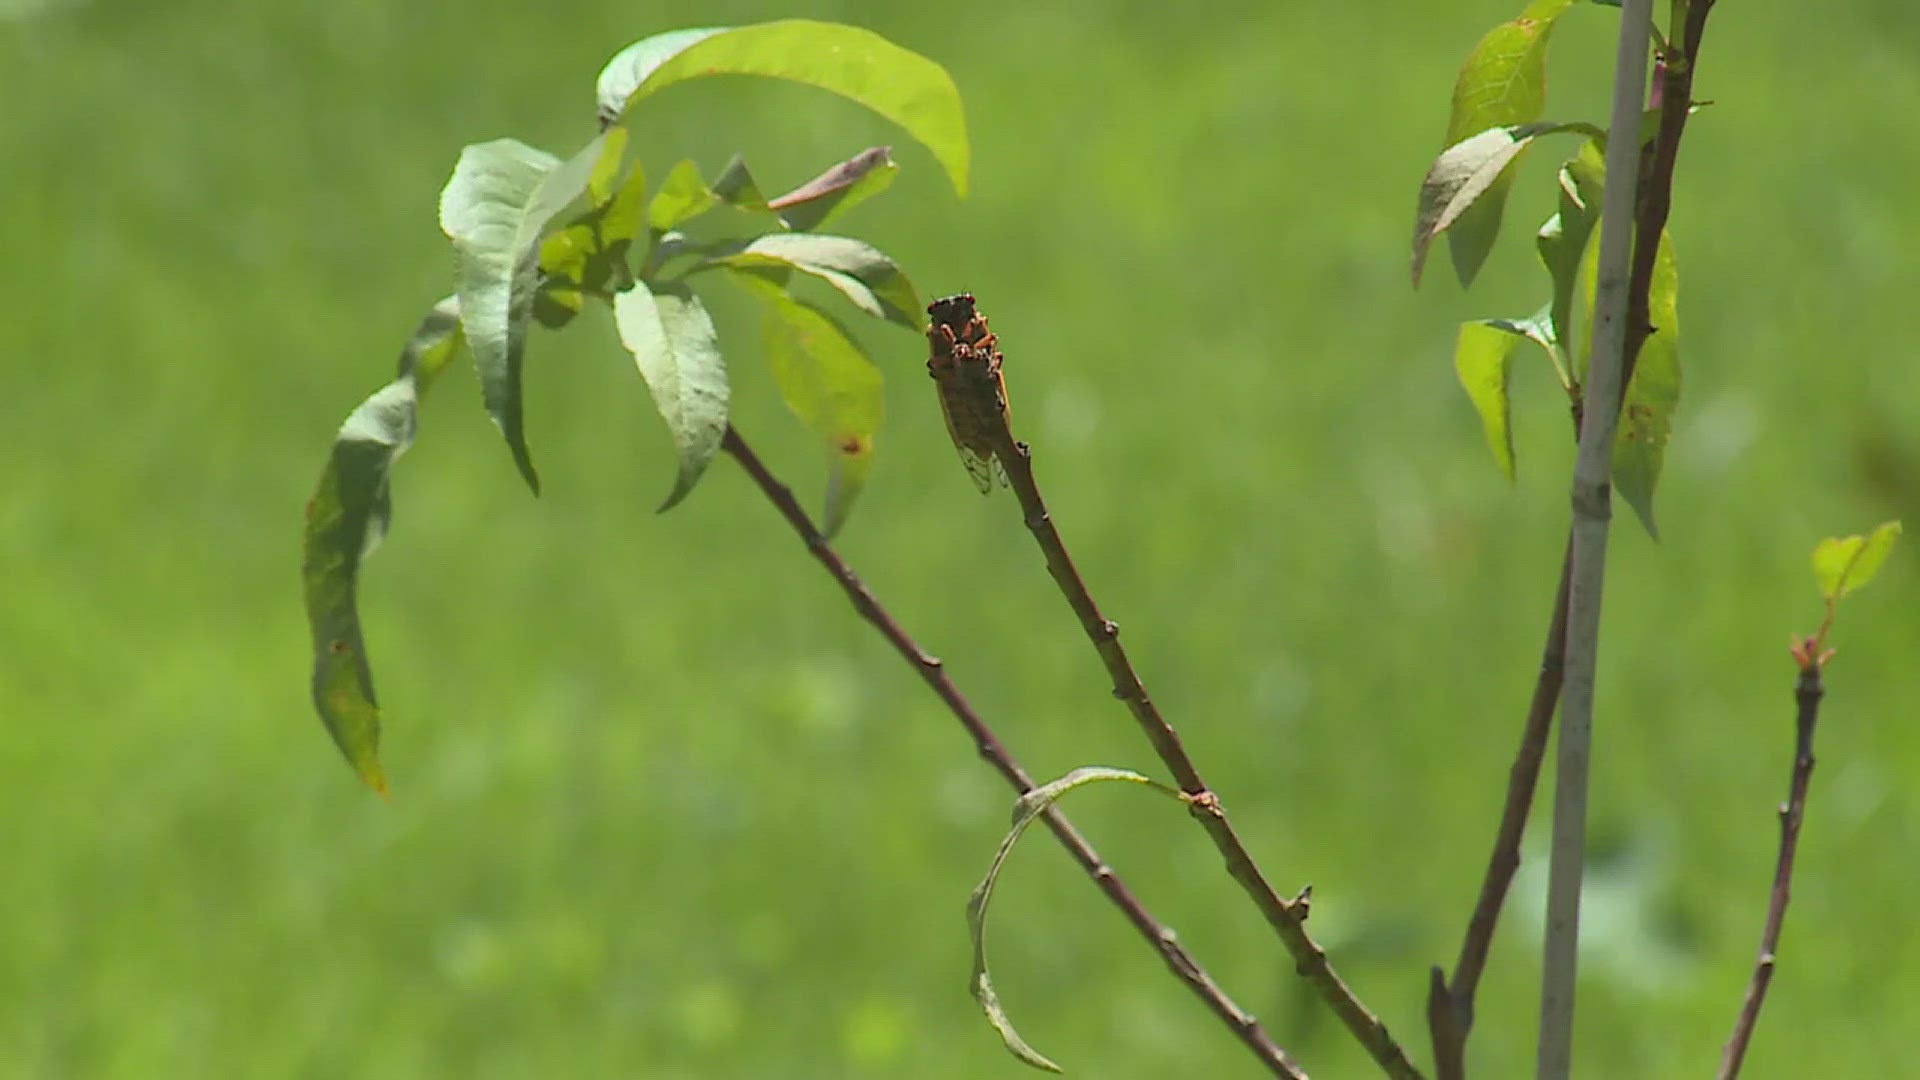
589 254
606 169
867 278
1029 807
827 381
672 341
1502 83
496 207
683 196
346 520
1483 359
1844 564
837 190
900 85
1466 172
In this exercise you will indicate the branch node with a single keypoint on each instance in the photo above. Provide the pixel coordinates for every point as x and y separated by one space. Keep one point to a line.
1203 803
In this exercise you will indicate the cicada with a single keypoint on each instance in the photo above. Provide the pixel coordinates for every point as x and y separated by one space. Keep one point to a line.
965 364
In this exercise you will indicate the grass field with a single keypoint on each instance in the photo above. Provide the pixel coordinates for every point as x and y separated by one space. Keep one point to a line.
664 808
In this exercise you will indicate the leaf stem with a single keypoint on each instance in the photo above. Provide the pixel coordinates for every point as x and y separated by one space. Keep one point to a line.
1158 935
1286 917
1807 694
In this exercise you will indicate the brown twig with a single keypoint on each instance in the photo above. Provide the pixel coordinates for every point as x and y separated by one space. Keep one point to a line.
1244 1026
1655 197
1450 1003
1807 694
966 365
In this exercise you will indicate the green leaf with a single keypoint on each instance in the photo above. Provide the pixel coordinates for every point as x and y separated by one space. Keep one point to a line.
1646 413
1844 564
1483 359
827 381
1502 83
1029 807
606 168
672 341
1563 239
900 85
837 190
1646 416
1466 172
346 519
589 254
868 279
735 186
683 196
496 207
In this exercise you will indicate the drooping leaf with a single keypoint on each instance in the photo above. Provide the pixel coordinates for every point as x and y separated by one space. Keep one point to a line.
496 207
837 190
1843 564
1646 416
346 519
900 85
672 341
1483 359
683 196
1028 808
867 278
1646 413
1466 172
1502 83
827 381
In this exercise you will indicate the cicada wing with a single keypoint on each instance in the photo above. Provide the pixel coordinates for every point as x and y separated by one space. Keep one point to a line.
978 466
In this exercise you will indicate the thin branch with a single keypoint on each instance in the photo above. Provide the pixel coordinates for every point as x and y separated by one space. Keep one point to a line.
1807 694
1450 1004
1674 96
1592 475
1160 936
966 366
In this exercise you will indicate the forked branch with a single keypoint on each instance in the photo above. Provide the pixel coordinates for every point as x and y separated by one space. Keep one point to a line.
966 365
1158 935
1450 1003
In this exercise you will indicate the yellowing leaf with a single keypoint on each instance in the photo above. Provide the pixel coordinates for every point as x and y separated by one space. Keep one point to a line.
1029 808
827 381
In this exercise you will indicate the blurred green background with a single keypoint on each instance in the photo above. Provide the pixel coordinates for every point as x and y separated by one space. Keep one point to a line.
665 808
